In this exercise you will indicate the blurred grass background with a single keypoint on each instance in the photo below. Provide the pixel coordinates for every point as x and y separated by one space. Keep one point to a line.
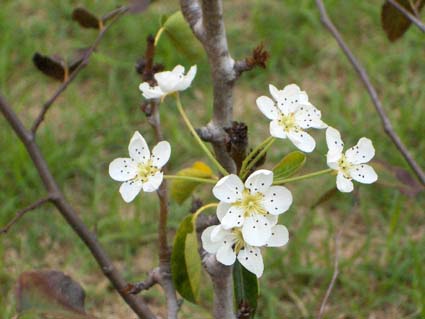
382 247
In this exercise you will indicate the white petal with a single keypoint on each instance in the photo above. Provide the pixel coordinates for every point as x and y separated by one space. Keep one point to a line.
363 152
153 182
364 174
302 140
277 200
222 209
161 154
122 169
267 107
186 81
229 189
256 230
226 255
276 130
150 92
291 89
259 181
251 259
272 219
167 80
138 149
233 218
332 159
130 189
209 245
344 184
334 141
219 233
308 116
274 92
279 237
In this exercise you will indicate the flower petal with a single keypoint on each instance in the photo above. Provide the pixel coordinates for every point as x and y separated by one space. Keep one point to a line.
251 259
186 81
277 200
308 116
267 107
168 80
364 174
122 169
153 182
161 154
150 92
222 209
259 181
334 141
363 152
279 237
276 130
130 189
272 219
226 255
274 91
302 140
256 230
209 245
138 149
228 189
233 218
344 184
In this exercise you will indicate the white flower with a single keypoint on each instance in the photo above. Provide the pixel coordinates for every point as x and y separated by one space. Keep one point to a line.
253 207
351 164
228 244
142 170
168 82
291 114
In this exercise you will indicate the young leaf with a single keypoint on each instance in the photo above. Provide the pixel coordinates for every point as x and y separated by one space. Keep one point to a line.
86 19
394 23
181 190
289 165
245 285
50 66
180 35
185 261
49 294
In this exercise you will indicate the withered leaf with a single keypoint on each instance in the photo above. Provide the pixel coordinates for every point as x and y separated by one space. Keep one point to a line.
50 66
86 19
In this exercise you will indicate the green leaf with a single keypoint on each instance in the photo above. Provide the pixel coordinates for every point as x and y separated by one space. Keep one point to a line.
394 23
185 261
180 189
289 165
181 36
245 285
49 295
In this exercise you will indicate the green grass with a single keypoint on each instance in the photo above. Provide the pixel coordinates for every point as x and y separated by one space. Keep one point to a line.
382 249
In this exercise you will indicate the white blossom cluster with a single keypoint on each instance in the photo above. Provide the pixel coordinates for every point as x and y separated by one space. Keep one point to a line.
248 210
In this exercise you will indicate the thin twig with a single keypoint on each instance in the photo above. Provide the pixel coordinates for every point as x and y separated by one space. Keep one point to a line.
22 212
408 14
386 123
152 279
334 277
70 215
73 75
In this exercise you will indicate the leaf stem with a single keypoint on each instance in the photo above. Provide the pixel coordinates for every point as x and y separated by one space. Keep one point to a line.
190 178
201 209
258 153
298 178
158 35
197 138
253 152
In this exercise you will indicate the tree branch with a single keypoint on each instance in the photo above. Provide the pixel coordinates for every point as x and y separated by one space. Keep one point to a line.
22 212
69 214
152 280
388 128
334 277
407 14
85 60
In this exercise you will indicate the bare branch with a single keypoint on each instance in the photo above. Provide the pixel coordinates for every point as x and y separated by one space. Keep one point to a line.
258 58
22 212
85 60
407 14
152 280
192 12
334 277
388 128
69 214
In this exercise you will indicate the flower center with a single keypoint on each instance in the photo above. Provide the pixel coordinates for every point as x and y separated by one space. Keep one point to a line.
144 171
288 122
251 203
344 166
239 242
